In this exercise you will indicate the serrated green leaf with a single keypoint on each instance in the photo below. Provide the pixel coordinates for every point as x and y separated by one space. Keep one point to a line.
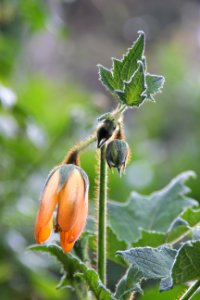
155 212
152 263
105 76
134 90
129 82
116 72
123 70
73 265
154 85
187 263
191 216
173 236
131 58
153 293
191 219
149 238
113 245
129 283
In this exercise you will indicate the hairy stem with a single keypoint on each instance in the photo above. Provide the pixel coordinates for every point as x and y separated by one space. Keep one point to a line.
101 250
72 156
92 138
192 289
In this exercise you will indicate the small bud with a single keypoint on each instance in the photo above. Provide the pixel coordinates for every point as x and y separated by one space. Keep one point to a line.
117 153
105 131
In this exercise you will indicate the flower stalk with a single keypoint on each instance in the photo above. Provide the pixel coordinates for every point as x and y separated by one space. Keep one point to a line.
102 197
73 155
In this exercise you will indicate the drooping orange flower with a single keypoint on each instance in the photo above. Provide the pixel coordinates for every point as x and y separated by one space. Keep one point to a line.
67 186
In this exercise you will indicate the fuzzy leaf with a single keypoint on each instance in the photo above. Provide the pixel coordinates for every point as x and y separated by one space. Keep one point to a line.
128 81
154 85
155 212
122 70
129 283
116 71
152 263
131 58
153 293
191 216
113 245
64 283
190 219
187 263
105 76
73 265
173 236
134 90
149 238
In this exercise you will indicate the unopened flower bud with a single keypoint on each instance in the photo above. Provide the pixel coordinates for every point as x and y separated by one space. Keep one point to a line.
67 187
105 131
117 153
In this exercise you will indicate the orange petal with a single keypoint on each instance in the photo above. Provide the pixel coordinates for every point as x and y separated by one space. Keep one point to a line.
71 197
43 233
67 247
76 230
49 198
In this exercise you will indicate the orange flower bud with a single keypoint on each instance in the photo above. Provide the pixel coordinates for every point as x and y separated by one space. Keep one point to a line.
49 199
66 185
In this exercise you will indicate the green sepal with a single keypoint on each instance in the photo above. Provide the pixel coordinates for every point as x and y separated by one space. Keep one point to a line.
65 171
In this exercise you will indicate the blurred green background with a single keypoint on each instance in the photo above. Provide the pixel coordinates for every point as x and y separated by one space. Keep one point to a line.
49 99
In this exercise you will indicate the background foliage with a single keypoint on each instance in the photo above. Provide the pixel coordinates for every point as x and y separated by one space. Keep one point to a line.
50 96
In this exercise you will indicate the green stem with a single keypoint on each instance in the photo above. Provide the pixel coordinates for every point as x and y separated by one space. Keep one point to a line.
122 108
192 289
101 251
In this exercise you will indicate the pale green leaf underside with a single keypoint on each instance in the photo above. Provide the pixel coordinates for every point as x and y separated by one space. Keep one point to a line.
153 213
170 266
154 85
186 265
152 263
